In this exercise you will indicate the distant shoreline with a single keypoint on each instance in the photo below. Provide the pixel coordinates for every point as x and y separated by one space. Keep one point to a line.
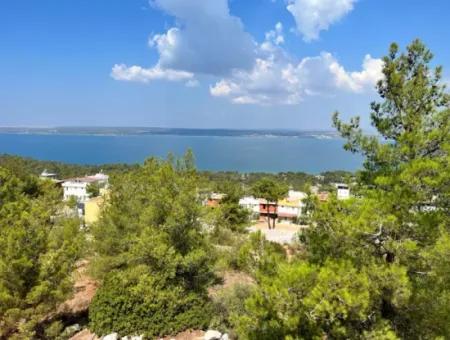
143 131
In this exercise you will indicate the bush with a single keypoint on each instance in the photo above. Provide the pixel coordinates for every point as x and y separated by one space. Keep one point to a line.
260 256
153 259
228 305
136 303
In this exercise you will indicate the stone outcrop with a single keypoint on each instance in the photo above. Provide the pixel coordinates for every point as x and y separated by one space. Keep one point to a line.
215 335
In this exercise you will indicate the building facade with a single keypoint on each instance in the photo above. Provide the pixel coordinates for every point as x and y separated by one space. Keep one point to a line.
251 204
287 209
342 191
77 187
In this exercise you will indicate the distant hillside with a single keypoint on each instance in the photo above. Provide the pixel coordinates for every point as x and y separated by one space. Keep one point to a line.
168 131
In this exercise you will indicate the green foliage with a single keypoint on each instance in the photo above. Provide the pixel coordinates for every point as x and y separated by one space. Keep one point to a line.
38 251
54 330
310 202
229 214
23 167
152 254
228 305
271 191
295 180
408 183
135 301
377 264
306 301
257 256
93 189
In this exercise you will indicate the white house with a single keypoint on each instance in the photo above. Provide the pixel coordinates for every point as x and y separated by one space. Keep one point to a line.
343 191
250 203
290 208
77 187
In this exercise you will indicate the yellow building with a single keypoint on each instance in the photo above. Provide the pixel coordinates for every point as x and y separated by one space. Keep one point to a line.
92 209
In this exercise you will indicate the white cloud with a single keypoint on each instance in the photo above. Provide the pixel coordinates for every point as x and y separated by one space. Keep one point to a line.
192 83
144 75
274 37
207 39
313 16
277 78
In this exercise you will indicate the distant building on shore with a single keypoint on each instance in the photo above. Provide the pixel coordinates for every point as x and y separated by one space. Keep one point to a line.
77 187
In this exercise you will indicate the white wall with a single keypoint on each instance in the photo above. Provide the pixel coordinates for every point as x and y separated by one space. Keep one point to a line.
75 189
343 191
250 203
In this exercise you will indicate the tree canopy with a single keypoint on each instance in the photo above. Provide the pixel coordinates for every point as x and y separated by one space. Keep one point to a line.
376 266
152 255
271 191
38 250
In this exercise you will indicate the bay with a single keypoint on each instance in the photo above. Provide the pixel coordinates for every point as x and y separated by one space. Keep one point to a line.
216 153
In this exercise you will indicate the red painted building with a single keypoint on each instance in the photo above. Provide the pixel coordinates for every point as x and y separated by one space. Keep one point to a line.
267 208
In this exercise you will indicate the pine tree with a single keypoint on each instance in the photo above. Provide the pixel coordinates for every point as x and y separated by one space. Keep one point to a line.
376 266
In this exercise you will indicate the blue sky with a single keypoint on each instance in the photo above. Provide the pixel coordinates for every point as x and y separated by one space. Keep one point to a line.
203 63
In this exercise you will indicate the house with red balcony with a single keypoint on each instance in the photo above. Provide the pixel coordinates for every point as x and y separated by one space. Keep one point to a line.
214 200
267 209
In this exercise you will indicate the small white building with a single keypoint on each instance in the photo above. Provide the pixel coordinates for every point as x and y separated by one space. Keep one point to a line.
48 175
77 187
250 203
343 191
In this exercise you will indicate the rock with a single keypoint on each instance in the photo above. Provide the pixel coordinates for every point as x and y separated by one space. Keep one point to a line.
134 337
212 335
112 336
85 334
71 330
225 337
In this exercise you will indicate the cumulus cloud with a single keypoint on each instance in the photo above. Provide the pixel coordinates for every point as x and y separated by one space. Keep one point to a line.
144 75
207 39
277 78
274 38
313 16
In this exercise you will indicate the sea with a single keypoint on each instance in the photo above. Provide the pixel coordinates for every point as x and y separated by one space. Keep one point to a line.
216 153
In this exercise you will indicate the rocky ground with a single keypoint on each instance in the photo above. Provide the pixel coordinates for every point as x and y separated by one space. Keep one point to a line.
84 291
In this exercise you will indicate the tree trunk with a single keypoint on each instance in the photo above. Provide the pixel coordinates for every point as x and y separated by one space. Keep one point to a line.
268 216
274 218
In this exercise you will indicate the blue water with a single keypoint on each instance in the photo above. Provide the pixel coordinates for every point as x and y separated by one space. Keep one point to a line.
246 154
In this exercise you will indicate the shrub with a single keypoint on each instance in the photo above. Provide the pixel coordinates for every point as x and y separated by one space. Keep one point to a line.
135 302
